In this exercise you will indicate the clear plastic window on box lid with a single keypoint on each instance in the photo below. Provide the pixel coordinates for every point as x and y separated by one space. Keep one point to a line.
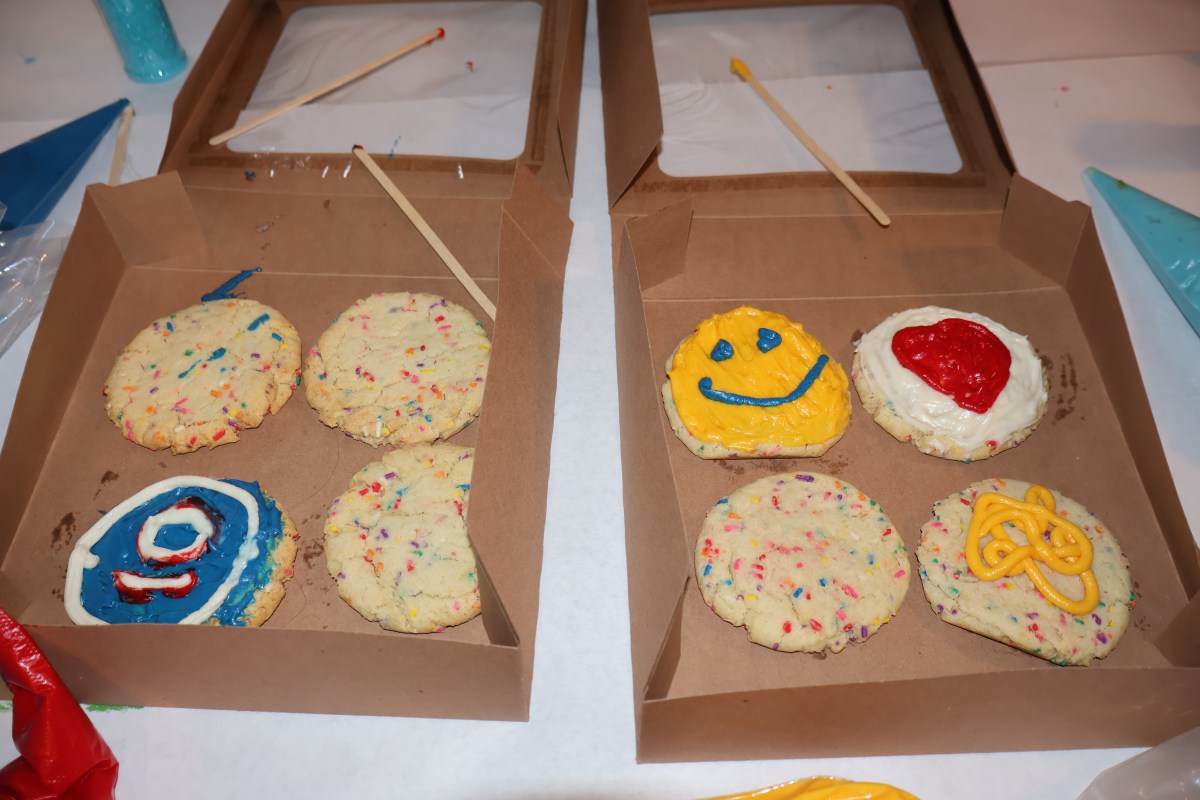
466 95
850 75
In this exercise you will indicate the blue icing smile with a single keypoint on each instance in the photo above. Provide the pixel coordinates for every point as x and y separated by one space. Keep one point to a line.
117 551
706 386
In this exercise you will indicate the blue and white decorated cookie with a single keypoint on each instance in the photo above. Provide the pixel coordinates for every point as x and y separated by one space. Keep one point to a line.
185 550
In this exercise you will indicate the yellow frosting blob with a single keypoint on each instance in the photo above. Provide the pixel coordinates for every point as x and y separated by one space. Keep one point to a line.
1065 550
824 789
821 413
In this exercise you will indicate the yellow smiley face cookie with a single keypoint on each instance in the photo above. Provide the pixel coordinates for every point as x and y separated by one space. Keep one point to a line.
750 384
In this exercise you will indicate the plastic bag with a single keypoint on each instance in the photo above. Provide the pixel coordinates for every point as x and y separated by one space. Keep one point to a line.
29 259
1170 771
62 755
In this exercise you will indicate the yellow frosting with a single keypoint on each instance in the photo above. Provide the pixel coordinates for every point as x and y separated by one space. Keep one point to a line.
824 789
820 414
1067 550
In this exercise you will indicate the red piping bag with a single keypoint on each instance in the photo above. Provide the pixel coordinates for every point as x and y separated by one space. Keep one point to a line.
62 755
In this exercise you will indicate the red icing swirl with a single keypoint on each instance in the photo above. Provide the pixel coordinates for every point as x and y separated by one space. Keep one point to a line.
957 357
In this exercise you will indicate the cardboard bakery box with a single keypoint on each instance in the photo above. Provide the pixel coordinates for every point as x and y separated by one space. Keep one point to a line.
324 236
979 239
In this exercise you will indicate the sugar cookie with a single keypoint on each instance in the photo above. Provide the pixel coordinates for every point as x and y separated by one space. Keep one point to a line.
399 369
750 384
396 540
803 561
184 550
198 377
957 385
1010 608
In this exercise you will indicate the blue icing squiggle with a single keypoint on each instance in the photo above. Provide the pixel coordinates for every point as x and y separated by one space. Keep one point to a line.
225 290
117 551
706 389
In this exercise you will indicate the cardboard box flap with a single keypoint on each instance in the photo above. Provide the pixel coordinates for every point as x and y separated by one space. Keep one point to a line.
1096 303
633 124
777 257
133 224
657 576
522 378
438 678
92 263
661 239
569 94
1180 642
634 127
936 715
1026 234
226 73
542 217
12 600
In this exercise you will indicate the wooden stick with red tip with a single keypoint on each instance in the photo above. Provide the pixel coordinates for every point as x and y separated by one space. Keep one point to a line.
326 88
423 228
739 68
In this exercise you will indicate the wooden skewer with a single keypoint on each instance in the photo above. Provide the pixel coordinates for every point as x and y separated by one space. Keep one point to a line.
118 162
739 68
423 228
326 88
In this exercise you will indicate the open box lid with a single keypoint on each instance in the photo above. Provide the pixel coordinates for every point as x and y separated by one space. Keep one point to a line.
634 130
233 62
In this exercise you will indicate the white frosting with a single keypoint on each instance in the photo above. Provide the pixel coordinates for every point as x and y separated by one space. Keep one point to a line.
923 407
131 580
193 517
83 558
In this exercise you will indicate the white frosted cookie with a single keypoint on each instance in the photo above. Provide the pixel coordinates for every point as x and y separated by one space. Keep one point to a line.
198 377
396 540
750 383
185 550
957 385
399 369
1010 608
803 561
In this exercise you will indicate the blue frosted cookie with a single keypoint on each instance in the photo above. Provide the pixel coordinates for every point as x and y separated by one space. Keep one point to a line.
185 550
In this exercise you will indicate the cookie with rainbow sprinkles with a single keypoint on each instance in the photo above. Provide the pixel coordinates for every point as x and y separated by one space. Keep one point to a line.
199 377
957 385
750 383
399 368
396 540
804 561
1029 567
185 550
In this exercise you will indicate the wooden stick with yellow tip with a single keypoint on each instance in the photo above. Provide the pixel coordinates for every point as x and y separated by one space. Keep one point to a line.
423 228
329 86
739 68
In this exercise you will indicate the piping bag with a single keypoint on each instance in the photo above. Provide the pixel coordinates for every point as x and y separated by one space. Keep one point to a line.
62 755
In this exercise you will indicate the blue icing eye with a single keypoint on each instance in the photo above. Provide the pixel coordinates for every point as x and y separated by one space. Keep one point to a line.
721 350
768 339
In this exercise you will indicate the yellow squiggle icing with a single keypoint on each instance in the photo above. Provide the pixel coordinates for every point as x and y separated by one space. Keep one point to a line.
824 789
1068 550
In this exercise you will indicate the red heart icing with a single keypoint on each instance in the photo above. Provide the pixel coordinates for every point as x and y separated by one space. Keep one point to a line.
957 357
